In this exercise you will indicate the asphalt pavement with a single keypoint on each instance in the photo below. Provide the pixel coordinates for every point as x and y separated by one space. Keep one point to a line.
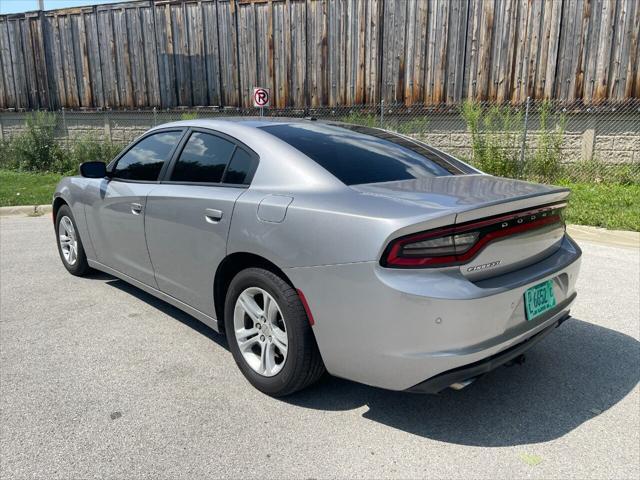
98 379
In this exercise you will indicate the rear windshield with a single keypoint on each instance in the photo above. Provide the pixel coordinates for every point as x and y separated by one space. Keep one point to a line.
357 155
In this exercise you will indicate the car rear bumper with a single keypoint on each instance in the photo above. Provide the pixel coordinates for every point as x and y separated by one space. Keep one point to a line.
396 329
466 373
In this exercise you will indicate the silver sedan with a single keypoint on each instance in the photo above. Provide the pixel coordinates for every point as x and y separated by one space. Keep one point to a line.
323 246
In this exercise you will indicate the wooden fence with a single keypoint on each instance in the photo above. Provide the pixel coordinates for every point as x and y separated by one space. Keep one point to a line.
319 52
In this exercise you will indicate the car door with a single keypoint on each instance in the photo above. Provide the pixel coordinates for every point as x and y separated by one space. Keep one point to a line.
188 215
116 217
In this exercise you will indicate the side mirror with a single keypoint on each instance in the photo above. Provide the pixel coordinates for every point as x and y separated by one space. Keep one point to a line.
93 170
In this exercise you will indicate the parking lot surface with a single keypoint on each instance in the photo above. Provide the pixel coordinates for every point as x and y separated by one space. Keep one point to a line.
98 379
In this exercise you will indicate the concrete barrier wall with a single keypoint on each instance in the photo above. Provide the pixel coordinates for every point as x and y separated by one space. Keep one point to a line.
603 137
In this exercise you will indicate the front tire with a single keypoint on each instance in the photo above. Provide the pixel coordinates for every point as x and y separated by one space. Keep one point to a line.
269 333
69 244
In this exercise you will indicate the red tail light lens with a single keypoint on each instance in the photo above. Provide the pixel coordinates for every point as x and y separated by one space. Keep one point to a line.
458 244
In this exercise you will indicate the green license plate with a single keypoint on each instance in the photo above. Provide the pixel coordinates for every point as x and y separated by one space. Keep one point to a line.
539 299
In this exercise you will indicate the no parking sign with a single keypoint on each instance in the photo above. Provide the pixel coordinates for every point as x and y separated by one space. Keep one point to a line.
261 97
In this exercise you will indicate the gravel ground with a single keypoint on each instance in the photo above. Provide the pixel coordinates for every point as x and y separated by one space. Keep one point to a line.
98 379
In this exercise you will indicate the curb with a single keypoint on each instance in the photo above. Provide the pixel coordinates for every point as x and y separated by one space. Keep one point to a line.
25 210
618 238
615 238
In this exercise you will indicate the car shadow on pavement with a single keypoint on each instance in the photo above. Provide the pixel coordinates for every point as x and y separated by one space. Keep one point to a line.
576 373
573 375
168 309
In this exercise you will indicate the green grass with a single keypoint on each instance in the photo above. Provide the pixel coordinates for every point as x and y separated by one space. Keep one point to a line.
616 207
21 188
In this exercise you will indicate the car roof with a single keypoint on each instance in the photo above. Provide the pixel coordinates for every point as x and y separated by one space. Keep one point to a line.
252 122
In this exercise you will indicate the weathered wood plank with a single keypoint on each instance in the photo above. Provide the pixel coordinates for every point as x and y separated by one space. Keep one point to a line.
81 58
228 42
604 49
440 53
108 58
622 44
93 55
415 49
123 57
248 62
137 55
317 41
393 51
552 50
455 51
69 60
632 74
166 64
373 53
150 54
211 50
33 94
18 63
181 54
471 53
195 44
590 60
57 61
9 98
338 47
3 88
281 54
298 52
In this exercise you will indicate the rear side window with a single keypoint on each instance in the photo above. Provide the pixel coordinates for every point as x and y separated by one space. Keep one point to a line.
357 155
241 168
203 159
145 159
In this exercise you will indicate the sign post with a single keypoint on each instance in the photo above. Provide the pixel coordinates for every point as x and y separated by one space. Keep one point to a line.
261 98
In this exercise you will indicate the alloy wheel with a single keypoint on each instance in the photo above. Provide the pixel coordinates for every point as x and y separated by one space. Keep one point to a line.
68 240
260 331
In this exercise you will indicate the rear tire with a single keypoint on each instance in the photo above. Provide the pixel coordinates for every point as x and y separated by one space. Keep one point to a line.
69 244
274 347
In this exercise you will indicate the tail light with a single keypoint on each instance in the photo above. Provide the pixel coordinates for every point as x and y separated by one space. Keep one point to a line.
458 244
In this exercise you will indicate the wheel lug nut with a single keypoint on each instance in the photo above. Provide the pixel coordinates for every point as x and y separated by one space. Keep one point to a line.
262 338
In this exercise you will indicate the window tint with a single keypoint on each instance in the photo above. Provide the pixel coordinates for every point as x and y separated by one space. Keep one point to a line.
356 154
203 159
145 159
241 168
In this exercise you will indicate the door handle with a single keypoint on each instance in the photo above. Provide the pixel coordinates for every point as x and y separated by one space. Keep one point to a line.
211 215
136 208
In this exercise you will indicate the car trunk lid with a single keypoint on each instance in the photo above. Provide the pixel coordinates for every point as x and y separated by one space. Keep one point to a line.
519 216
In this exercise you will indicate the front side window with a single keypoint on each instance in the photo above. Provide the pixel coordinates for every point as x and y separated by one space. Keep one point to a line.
356 154
144 160
203 159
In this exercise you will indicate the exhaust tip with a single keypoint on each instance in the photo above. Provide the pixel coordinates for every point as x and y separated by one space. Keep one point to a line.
463 384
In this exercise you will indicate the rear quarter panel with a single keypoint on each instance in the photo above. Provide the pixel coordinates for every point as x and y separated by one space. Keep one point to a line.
325 228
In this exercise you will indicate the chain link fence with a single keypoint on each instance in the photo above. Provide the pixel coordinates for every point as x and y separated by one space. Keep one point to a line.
538 140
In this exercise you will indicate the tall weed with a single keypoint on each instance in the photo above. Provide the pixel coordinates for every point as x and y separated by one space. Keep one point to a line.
545 163
36 148
495 134
87 149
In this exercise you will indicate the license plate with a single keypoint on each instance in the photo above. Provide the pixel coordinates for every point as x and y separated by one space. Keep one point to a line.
539 299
